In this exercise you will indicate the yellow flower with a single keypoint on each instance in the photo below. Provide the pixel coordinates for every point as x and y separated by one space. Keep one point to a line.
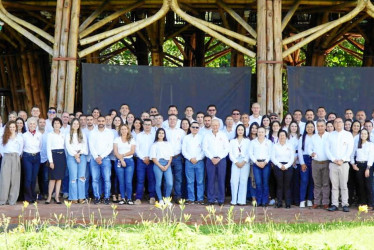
67 203
249 219
25 204
158 205
363 208
219 218
254 203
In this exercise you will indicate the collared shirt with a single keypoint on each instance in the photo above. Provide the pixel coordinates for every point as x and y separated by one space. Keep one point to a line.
87 132
283 153
165 124
220 122
365 153
175 137
192 147
230 135
239 151
43 150
115 135
14 145
318 146
48 126
203 131
65 130
216 145
101 143
236 124
32 143
161 150
253 119
54 141
124 147
143 144
134 134
307 145
75 146
339 146
260 151
294 141
301 127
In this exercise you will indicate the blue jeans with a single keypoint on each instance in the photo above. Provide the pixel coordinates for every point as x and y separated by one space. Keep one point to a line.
262 183
88 184
43 178
168 179
306 180
125 175
178 174
195 171
114 179
31 163
77 177
104 171
142 170
65 182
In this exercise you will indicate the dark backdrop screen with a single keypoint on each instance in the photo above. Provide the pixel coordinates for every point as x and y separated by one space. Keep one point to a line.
108 86
335 88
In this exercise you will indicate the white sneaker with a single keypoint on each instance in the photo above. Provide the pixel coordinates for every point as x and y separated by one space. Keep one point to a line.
138 202
309 203
272 202
152 201
302 204
161 202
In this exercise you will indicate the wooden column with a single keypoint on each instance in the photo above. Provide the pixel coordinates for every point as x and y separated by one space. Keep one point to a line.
261 54
269 56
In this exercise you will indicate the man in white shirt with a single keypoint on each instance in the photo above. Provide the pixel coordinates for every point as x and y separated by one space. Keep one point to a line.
339 148
321 113
82 121
153 111
108 121
255 117
65 129
87 131
188 112
192 150
235 113
212 111
175 136
298 116
22 114
245 121
101 145
43 169
369 126
159 119
207 126
124 111
348 114
172 110
361 117
51 115
200 119
144 166
320 166
216 147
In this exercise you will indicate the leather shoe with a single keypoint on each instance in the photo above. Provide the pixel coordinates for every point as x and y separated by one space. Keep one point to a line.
278 205
326 206
345 209
315 206
333 208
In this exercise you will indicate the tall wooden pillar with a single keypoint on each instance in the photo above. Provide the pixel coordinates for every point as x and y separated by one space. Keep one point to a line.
269 56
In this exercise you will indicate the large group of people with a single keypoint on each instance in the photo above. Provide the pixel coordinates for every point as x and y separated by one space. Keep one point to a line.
119 157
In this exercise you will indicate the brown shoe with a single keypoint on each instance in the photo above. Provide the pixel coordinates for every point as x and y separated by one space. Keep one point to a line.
74 201
82 201
325 206
315 206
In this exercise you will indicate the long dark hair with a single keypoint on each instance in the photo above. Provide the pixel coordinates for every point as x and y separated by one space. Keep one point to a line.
297 132
24 125
157 132
360 140
79 132
353 124
141 124
305 133
114 126
250 130
283 123
262 120
236 131
271 138
7 132
189 125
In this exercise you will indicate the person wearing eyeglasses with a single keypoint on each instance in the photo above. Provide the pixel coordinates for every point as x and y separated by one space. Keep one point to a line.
236 117
51 115
212 111
194 163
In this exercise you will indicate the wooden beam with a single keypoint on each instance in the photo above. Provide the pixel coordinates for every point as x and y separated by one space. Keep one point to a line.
357 45
93 16
261 54
180 48
167 58
290 13
278 90
173 57
269 57
176 33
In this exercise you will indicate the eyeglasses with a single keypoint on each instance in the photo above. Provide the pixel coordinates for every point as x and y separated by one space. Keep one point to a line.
235 113
51 112
211 110
195 127
147 124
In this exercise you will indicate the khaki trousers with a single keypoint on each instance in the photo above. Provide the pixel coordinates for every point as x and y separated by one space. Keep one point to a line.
320 173
10 176
339 179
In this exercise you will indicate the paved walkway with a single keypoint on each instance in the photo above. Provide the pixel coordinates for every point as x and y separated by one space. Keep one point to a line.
132 214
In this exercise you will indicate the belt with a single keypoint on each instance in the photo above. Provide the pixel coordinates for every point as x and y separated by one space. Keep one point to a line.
283 162
32 154
176 156
321 162
362 162
261 160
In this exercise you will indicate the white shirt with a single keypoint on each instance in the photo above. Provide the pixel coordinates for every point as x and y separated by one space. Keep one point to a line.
43 150
101 143
339 146
301 127
203 131
318 146
283 153
14 145
192 147
48 126
75 146
134 134
161 150
65 130
87 132
143 144
165 124
230 135
294 141
124 147
216 145
175 138
220 122
365 153
54 141
260 151
307 146
239 152
32 143
252 119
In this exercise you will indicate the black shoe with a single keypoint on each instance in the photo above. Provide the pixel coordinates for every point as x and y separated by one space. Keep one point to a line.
47 202
57 202
288 206
346 209
210 203
220 204
279 205
106 201
201 203
97 201
333 208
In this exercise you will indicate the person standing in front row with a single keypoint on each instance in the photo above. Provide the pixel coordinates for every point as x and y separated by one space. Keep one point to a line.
10 173
192 150
216 147
161 154
283 156
101 145
339 148
239 149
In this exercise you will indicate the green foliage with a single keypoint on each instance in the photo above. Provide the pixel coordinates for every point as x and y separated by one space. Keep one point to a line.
340 58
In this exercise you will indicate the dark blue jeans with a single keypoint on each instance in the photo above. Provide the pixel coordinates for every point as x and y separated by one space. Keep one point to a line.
43 178
31 163
124 176
216 172
306 181
104 170
262 183
178 176
195 173
143 170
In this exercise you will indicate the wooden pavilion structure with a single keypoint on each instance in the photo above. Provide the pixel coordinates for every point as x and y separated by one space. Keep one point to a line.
44 42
